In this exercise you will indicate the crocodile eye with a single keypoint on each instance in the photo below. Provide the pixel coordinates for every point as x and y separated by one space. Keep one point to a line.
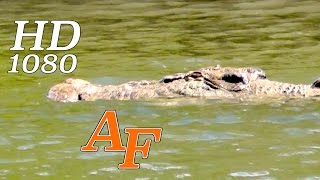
262 76
233 78
196 74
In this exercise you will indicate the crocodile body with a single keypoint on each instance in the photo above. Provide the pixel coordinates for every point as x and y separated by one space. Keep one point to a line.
212 82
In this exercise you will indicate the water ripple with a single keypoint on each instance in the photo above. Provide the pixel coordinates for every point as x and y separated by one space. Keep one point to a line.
160 166
181 176
43 173
50 142
297 153
182 122
300 131
283 119
26 147
4 172
249 174
312 178
7 161
4 141
109 169
97 155
207 136
227 118
23 137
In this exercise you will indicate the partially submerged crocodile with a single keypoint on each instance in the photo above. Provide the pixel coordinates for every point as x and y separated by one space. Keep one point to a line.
211 82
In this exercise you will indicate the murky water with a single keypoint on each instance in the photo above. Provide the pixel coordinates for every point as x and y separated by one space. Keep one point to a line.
126 40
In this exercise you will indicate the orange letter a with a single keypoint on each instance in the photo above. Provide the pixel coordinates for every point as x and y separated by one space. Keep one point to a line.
114 135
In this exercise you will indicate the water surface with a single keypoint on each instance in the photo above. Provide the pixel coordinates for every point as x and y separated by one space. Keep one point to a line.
133 40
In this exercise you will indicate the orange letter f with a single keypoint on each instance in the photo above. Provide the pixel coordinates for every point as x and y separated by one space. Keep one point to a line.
132 145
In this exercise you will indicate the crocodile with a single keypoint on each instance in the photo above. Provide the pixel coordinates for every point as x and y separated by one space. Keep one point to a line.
211 82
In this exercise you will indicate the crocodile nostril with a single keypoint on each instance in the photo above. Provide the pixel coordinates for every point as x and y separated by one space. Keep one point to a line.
79 97
262 76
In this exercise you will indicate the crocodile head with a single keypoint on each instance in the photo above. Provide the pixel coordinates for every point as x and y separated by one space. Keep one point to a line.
72 90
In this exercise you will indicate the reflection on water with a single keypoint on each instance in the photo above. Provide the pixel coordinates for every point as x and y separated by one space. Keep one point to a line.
249 174
127 40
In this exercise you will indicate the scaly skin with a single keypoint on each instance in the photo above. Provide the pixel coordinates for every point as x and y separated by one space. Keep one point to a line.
230 79
267 88
73 90
212 82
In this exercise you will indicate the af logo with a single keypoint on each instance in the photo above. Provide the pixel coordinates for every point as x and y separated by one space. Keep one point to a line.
110 117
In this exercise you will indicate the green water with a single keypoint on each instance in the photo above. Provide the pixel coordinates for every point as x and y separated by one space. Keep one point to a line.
202 139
